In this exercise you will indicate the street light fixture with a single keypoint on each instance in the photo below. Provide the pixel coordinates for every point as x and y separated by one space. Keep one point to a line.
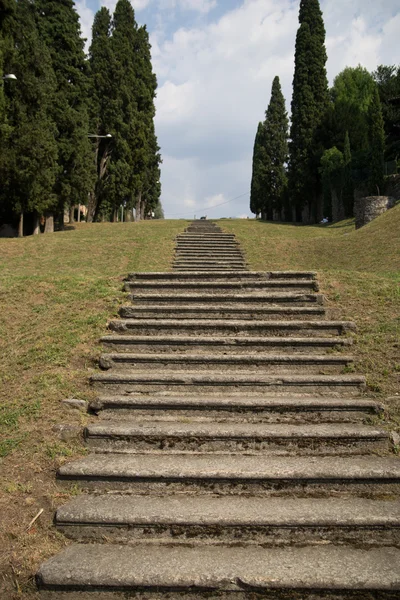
92 135
9 76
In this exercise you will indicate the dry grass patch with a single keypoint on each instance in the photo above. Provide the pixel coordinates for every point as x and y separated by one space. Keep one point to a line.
57 292
359 272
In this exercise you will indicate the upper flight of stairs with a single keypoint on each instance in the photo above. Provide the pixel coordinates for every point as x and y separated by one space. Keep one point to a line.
234 452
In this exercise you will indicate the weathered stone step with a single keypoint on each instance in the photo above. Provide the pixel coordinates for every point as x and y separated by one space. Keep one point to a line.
208 263
222 473
181 245
218 311
228 298
247 407
205 235
218 286
259 362
225 344
211 253
249 438
231 328
127 383
231 519
171 276
229 570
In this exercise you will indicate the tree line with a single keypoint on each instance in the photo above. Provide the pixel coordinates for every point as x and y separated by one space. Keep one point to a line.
339 138
75 129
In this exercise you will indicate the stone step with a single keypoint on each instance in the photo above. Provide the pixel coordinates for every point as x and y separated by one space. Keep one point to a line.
257 363
247 407
231 328
208 263
249 438
205 235
216 311
235 572
228 298
222 473
194 381
223 344
219 286
212 253
210 245
253 520
240 275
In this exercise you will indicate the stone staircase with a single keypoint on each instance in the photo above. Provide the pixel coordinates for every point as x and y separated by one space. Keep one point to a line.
233 455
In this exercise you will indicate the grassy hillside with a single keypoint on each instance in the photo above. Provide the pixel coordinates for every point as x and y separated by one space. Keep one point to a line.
57 292
360 275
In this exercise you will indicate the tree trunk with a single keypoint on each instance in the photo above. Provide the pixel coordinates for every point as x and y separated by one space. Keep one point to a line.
337 206
138 207
36 224
91 207
128 215
115 216
49 226
71 214
79 213
21 225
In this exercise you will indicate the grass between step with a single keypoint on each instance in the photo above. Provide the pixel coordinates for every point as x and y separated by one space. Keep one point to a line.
57 292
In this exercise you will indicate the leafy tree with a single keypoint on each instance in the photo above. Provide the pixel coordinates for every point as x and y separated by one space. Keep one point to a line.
59 27
256 189
275 140
387 79
30 167
377 146
352 94
309 105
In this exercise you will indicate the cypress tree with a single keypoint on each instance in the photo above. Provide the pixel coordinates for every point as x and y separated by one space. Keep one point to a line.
377 146
146 152
60 29
120 184
309 104
29 172
275 153
256 196
102 107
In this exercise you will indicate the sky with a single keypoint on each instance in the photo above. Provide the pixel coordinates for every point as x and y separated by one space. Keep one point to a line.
215 61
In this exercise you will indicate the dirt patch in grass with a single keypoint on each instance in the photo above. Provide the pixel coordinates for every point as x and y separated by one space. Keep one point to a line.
57 292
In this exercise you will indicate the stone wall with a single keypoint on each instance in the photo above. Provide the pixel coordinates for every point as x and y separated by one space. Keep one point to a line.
368 208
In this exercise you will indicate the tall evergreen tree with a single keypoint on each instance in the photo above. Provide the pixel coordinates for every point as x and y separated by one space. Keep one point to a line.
256 195
377 146
29 170
120 185
60 30
146 152
102 107
309 104
275 153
